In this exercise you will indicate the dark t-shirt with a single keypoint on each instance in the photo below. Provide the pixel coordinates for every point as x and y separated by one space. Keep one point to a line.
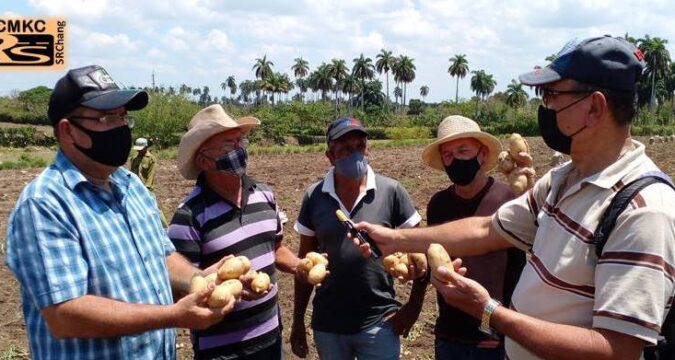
358 293
498 271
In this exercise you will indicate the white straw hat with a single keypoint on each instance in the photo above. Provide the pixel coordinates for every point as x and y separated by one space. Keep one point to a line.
458 127
207 122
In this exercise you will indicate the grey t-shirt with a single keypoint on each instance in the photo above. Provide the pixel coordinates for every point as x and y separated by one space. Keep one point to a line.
358 293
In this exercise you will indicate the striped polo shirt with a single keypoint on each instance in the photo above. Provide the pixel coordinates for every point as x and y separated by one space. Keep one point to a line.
205 228
629 289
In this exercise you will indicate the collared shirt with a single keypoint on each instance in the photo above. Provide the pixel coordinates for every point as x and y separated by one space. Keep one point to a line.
629 289
145 168
206 228
358 293
67 238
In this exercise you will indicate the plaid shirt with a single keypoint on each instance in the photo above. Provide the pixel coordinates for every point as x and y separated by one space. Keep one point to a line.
67 238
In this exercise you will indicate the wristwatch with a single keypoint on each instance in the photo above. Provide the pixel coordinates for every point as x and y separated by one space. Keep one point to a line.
490 308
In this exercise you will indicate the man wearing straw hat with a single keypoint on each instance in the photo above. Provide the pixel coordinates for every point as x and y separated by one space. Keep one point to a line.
229 213
466 154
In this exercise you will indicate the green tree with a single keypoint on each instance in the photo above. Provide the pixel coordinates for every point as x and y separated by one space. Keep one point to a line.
516 96
321 80
300 70
35 100
658 61
424 91
459 67
350 86
363 69
263 69
482 84
232 85
384 63
404 73
338 71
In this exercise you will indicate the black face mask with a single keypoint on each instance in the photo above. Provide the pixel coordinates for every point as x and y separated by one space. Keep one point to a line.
462 172
548 126
110 147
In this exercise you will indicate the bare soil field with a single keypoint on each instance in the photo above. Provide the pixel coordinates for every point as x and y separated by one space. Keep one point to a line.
290 175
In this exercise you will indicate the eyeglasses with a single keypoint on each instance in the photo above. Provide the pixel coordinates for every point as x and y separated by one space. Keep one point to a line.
547 93
130 121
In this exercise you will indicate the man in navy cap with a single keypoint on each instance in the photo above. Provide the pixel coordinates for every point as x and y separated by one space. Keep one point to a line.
572 301
85 239
355 312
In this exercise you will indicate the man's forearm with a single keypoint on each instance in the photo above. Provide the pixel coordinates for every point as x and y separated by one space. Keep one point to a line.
285 260
98 317
464 237
556 341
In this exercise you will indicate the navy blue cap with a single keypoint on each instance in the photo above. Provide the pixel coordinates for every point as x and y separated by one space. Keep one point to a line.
606 62
92 87
342 126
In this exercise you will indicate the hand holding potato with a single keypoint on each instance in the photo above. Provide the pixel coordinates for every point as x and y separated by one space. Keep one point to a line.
516 164
405 267
191 311
312 269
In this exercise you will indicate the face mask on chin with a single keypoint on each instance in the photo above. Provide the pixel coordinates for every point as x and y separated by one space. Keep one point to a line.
109 147
548 126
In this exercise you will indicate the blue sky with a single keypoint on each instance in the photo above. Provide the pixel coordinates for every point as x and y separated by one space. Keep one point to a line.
202 42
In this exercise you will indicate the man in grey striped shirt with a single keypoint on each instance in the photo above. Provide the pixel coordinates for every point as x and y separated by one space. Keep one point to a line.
228 213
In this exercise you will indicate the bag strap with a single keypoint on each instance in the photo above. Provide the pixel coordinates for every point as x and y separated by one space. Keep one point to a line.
619 204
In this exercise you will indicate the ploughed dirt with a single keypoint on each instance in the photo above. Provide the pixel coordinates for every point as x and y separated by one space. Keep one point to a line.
290 175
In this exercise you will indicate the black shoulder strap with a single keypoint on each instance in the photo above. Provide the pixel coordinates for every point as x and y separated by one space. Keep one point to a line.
619 204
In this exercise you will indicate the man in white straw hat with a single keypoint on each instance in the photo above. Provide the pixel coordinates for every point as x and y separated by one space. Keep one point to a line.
466 154
229 213
144 165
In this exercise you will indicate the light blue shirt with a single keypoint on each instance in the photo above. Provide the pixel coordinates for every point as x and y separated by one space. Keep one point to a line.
67 238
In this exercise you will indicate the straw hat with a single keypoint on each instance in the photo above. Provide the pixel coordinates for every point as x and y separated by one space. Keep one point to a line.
207 122
458 127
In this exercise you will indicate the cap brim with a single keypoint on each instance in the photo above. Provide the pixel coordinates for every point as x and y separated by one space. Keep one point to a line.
129 99
539 77
139 148
349 129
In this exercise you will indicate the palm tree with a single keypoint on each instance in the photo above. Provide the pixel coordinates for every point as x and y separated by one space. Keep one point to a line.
321 80
459 67
246 87
363 69
223 85
384 63
658 61
398 94
404 73
424 91
262 68
482 84
300 70
232 84
338 71
516 96
351 86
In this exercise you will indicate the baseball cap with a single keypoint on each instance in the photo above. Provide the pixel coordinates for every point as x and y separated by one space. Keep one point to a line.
606 62
342 126
91 86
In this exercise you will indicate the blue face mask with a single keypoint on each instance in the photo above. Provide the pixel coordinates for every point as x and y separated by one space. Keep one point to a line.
354 166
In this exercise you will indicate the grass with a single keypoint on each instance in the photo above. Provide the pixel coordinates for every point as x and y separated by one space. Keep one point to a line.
13 352
25 161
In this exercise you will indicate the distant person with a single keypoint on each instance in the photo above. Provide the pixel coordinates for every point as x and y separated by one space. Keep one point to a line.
355 312
230 213
86 243
572 301
466 154
144 165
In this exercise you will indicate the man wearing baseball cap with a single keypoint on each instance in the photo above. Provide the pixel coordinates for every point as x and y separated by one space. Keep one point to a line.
85 239
574 299
229 213
144 165
355 313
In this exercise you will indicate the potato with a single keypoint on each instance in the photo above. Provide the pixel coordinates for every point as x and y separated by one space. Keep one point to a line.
246 262
198 283
261 283
401 271
317 274
437 257
518 183
213 278
419 260
232 269
390 262
316 258
220 296
506 163
517 145
234 286
305 265
403 258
